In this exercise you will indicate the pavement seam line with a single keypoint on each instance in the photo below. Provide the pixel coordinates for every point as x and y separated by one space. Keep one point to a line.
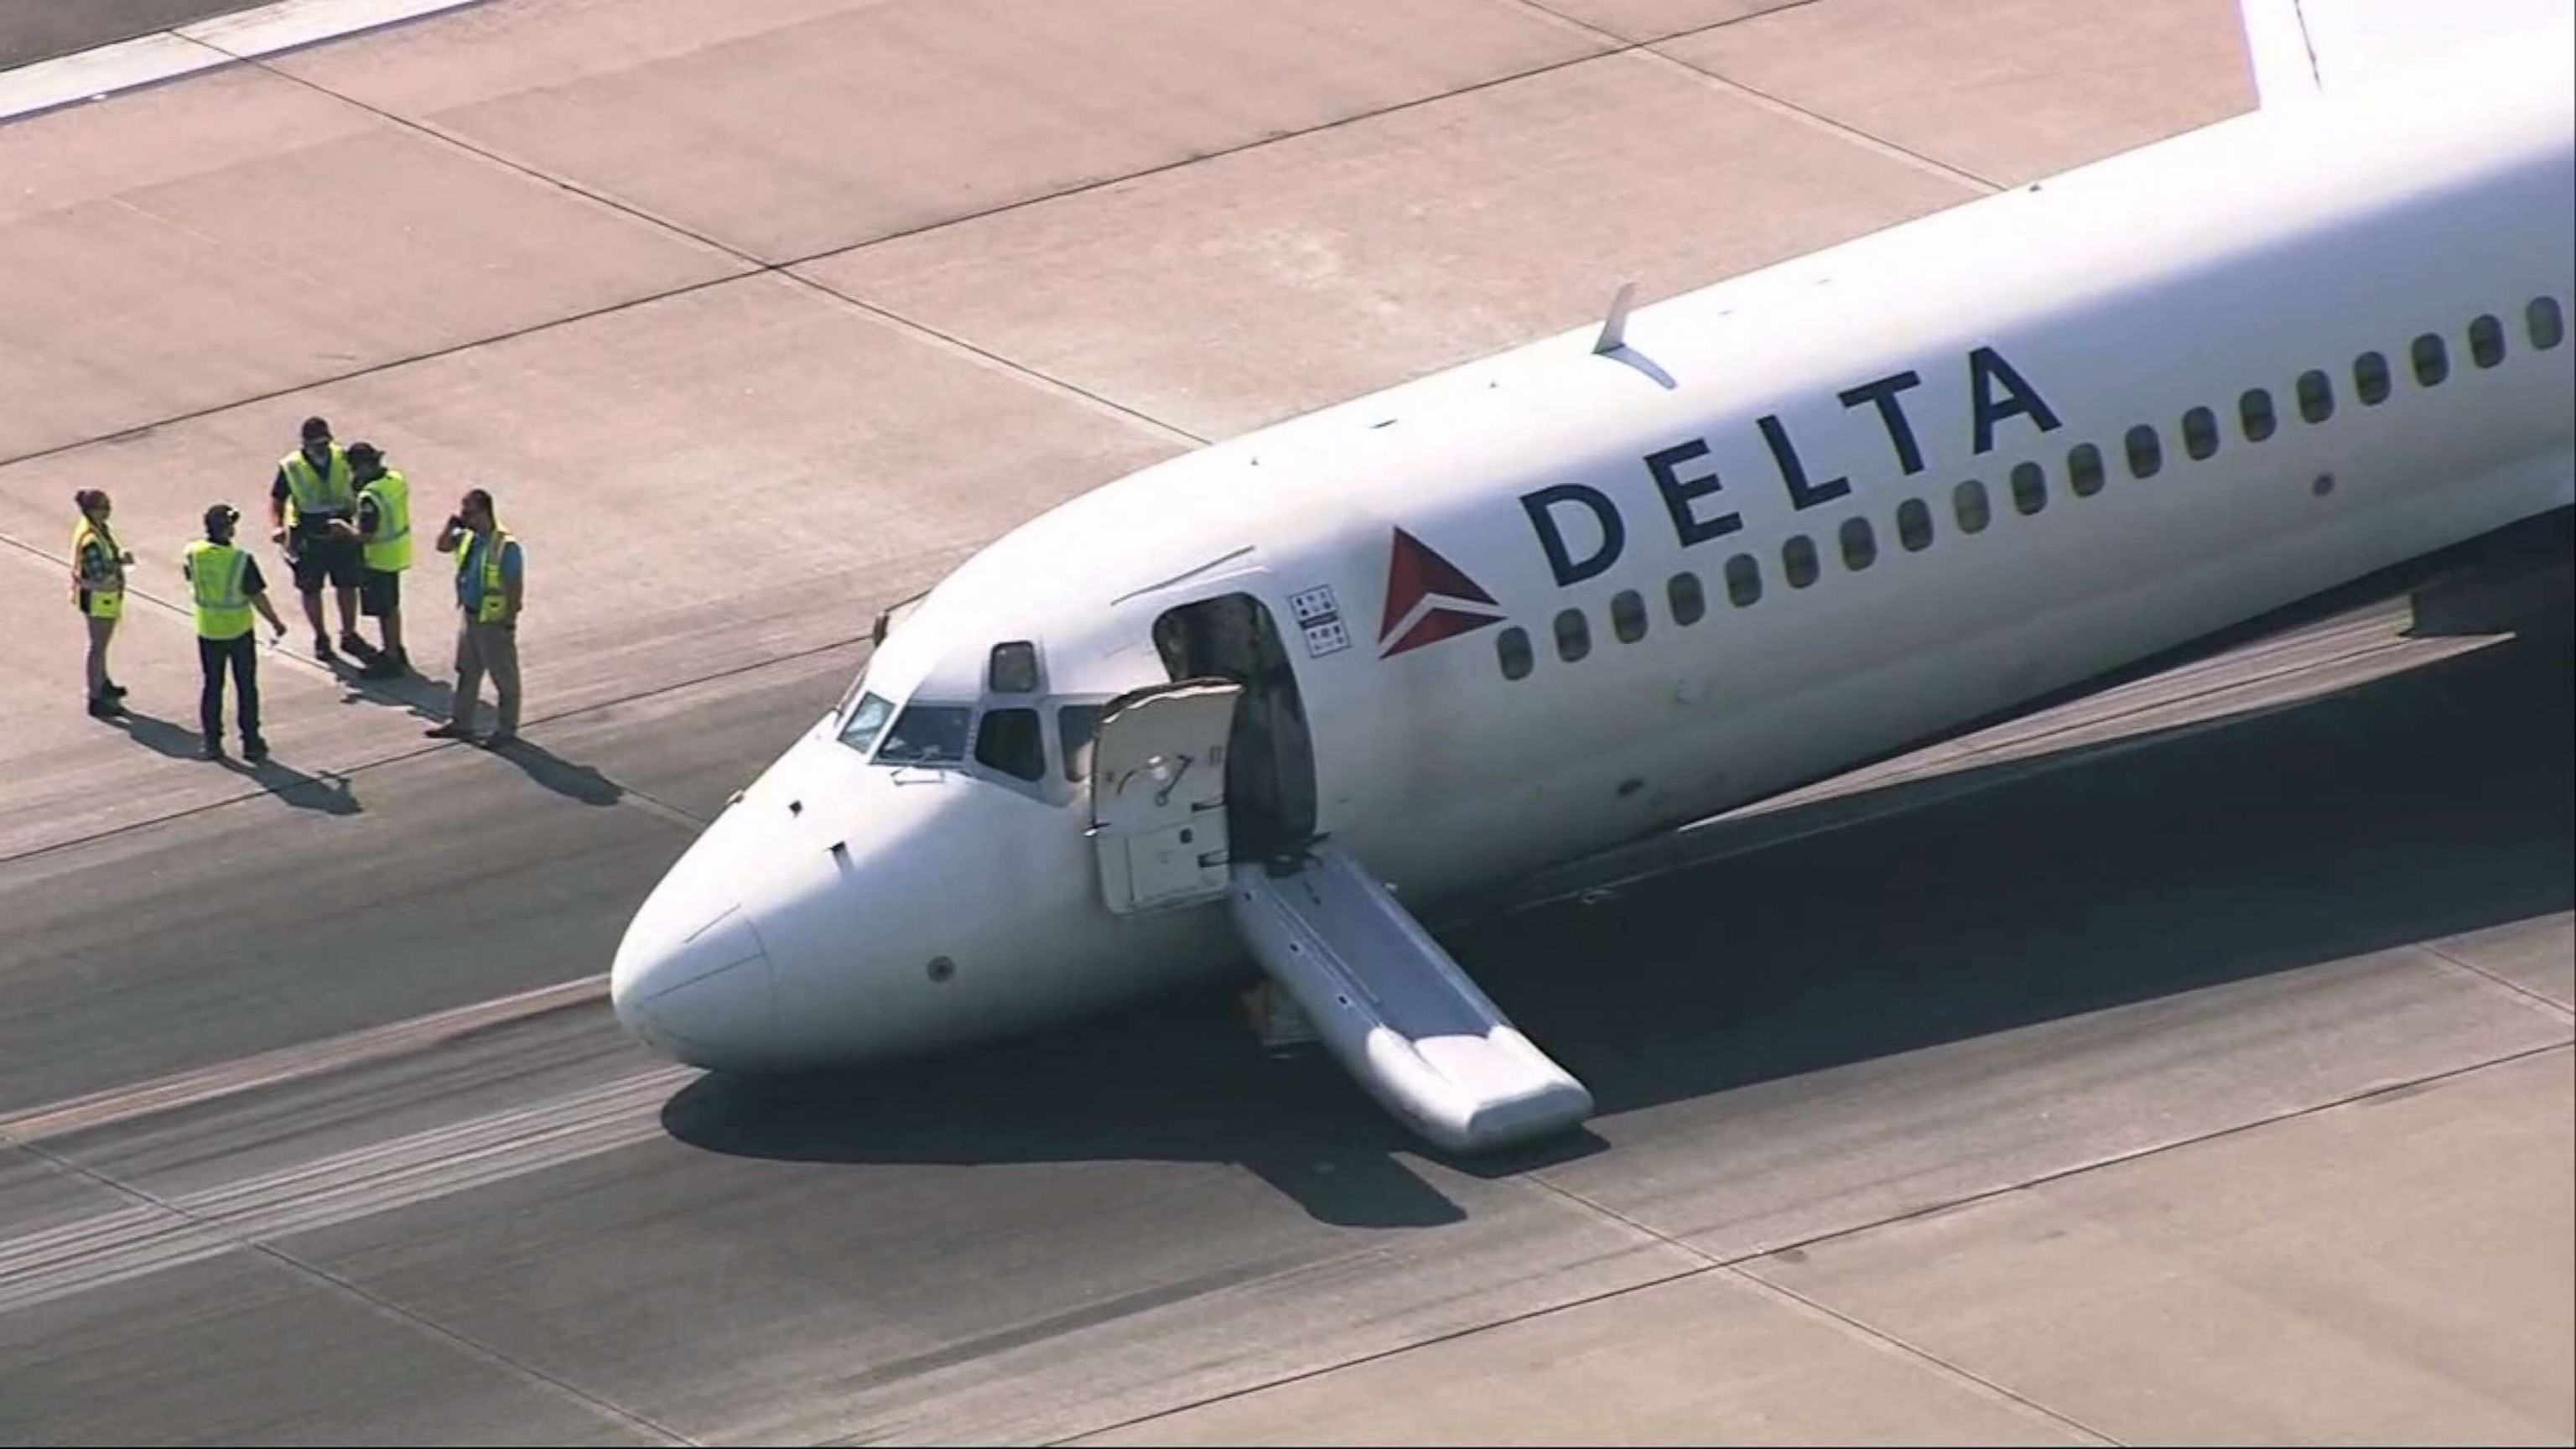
148 1199
1736 1264
2553 1009
1356 1361
2045 1179
786 265
415 752
526 1373
760 265
1916 1353
1786 109
1978 1383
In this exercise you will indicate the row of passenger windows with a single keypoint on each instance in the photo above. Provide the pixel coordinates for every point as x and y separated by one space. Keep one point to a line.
2544 323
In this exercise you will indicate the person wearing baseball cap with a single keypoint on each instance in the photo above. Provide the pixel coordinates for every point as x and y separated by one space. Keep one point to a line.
225 583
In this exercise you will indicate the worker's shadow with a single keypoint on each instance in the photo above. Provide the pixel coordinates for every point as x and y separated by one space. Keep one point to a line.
431 699
576 782
329 794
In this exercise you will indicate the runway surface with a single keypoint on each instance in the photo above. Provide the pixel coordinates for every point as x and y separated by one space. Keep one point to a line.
2192 1063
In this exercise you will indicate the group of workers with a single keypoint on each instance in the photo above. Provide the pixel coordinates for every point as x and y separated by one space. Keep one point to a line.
342 516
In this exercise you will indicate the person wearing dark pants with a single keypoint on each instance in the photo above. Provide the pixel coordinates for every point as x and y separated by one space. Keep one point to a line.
225 583
312 496
490 575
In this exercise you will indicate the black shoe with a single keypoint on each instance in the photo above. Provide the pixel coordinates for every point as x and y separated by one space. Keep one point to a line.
254 748
322 648
114 690
355 645
213 749
497 740
102 707
448 731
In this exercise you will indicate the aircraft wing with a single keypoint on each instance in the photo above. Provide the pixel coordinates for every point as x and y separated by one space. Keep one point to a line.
2301 48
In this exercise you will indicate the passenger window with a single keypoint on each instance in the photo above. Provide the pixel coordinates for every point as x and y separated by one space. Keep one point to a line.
2486 341
2254 415
1512 651
2547 325
866 723
1860 545
1573 635
1968 500
1011 741
2432 360
1798 560
2029 488
2146 451
1743 580
2200 434
2370 378
1628 615
1688 601
1914 525
1075 727
927 734
1012 669
2084 469
2316 396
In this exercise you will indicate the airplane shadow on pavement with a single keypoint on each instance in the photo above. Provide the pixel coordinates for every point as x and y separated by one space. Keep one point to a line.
2411 807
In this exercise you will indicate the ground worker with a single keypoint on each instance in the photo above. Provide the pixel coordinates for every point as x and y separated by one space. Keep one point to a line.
98 591
490 574
227 587
315 480
384 532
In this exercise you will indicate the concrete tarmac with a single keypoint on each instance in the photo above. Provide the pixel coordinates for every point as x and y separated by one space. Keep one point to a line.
2190 1064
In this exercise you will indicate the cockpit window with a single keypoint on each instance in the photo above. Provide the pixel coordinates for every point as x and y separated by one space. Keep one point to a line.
864 722
1013 668
926 734
1010 740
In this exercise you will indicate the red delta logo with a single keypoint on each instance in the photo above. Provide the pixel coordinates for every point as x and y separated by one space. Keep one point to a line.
1429 599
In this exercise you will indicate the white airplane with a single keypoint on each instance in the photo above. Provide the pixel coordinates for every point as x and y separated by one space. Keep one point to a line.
1251 704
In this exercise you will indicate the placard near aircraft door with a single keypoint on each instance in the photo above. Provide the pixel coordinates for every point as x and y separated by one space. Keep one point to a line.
1158 795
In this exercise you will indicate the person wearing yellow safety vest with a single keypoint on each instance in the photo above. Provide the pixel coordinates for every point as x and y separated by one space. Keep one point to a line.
383 532
313 490
490 578
98 591
225 584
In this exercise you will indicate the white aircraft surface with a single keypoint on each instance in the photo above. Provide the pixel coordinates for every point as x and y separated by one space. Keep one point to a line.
1224 710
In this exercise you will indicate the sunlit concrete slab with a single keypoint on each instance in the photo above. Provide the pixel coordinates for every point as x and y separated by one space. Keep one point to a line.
70 777
244 1349
1261 285
2199 1296
700 483
785 129
1100 1291
1710 1359
238 233
2007 90
2537 955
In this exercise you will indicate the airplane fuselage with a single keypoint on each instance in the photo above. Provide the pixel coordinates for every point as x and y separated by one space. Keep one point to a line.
1542 604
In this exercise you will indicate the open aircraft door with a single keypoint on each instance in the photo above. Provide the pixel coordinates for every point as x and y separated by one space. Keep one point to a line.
1158 795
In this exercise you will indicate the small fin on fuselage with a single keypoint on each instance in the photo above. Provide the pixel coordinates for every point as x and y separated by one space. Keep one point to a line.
2301 49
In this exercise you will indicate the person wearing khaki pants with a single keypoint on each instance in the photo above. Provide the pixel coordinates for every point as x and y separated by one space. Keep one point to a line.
490 585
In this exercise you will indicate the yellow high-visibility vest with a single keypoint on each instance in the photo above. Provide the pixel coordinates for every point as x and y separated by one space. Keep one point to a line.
107 602
496 599
216 573
390 550
327 492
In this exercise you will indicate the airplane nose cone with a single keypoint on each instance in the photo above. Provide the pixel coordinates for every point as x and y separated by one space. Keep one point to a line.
703 995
